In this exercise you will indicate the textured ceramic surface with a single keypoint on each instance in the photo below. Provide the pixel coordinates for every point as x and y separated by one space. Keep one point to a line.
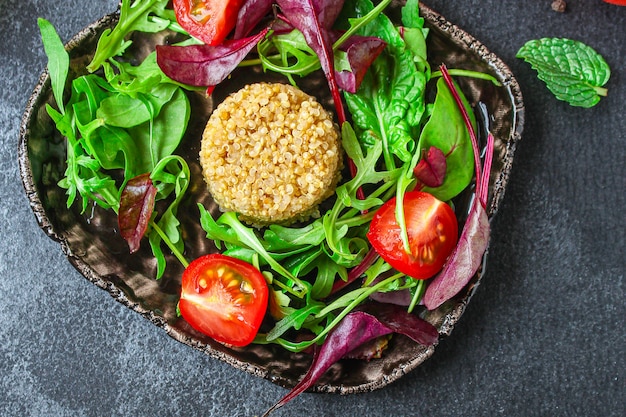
92 245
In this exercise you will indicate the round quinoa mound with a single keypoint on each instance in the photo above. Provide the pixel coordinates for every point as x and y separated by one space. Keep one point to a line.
271 153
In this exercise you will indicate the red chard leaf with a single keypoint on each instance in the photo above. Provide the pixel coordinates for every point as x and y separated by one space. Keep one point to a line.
355 330
205 65
431 169
399 297
464 260
327 11
371 350
136 206
361 52
250 15
398 320
314 19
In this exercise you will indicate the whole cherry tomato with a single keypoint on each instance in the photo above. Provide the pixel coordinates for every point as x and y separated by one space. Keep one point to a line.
432 230
224 298
210 20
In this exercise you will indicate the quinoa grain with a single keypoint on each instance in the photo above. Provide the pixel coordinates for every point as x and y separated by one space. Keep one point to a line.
271 153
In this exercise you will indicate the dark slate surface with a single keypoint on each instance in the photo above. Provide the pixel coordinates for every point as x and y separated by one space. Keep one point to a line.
543 336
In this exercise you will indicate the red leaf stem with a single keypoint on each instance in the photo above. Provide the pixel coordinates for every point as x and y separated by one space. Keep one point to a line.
356 272
466 119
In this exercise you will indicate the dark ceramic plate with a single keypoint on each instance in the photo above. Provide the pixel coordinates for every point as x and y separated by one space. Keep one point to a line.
91 244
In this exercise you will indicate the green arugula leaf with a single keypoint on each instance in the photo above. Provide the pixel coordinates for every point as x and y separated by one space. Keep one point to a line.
241 235
281 237
58 60
328 272
174 171
295 320
133 16
572 71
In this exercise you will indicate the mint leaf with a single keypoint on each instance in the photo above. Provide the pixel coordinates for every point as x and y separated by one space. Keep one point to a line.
572 71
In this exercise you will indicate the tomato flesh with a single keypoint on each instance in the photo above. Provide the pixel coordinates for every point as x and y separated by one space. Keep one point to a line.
224 298
210 21
432 230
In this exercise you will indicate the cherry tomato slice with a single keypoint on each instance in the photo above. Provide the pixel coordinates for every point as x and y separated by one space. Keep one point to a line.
210 20
224 298
432 229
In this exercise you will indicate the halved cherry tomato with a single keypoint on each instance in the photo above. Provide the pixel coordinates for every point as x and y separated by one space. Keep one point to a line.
432 229
210 20
618 2
224 298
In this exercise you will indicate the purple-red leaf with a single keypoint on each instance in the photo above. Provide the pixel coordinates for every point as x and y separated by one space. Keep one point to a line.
314 19
431 169
356 329
400 321
464 260
327 11
136 206
205 65
250 15
361 52
371 350
398 297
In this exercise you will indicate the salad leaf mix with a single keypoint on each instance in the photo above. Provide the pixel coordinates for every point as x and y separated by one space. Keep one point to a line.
123 122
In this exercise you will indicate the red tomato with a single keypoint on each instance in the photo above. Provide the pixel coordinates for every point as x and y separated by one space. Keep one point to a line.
224 298
210 21
432 229
618 2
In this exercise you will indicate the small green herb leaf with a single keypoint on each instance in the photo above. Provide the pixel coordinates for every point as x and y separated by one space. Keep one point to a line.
572 71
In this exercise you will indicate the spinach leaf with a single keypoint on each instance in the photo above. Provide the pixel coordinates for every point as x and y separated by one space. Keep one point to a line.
411 15
572 71
389 105
159 138
122 110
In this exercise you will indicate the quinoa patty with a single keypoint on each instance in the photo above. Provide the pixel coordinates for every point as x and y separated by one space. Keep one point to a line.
271 153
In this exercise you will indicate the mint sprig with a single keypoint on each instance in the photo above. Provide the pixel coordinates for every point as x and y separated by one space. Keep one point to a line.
572 71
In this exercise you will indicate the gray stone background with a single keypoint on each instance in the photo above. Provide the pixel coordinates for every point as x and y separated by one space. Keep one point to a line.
543 336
